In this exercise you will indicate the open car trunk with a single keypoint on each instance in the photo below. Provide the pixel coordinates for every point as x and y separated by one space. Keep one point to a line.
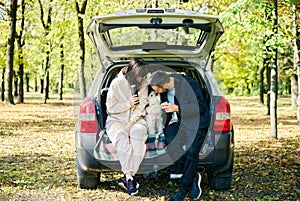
157 153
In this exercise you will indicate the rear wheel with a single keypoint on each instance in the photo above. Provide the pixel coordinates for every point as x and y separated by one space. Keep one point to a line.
221 180
86 180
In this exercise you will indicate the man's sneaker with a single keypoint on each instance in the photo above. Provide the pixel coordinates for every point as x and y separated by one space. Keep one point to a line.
132 187
196 191
123 183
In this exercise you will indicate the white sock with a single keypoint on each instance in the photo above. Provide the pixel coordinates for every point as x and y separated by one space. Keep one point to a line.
129 176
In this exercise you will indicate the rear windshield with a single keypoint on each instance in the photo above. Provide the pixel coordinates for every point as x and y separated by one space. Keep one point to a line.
132 37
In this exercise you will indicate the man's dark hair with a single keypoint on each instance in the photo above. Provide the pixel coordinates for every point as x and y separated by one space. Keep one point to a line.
159 78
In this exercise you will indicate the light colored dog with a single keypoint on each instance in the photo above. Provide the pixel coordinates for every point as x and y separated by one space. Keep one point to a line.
154 114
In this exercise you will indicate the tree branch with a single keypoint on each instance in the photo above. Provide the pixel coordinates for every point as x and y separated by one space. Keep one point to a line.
42 14
46 25
82 11
49 14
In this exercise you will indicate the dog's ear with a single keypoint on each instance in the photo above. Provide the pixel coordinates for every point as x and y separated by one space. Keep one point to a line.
152 94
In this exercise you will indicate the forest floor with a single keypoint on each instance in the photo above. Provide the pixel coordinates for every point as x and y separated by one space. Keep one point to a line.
37 156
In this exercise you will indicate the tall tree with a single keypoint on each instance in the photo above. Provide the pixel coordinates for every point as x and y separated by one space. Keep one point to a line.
47 27
61 74
297 52
80 18
267 62
10 51
294 77
21 43
274 76
261 84
2 79
60 20
3 84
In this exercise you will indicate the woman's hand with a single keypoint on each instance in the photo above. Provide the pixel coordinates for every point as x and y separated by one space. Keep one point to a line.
128 127
134 100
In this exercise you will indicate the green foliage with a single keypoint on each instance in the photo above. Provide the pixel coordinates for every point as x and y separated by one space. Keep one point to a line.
3 42
240 51
239 54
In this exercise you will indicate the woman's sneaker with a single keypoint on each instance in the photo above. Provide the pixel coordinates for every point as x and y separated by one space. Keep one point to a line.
123 183
196 191
132 187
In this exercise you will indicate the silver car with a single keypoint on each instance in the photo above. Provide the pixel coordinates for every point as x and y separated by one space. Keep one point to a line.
178 41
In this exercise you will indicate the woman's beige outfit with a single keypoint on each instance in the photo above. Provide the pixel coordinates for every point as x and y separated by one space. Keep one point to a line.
131 147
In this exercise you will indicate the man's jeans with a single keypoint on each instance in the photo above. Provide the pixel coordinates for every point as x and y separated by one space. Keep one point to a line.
184 147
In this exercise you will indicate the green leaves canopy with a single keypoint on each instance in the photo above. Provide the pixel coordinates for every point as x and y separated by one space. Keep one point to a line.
239 53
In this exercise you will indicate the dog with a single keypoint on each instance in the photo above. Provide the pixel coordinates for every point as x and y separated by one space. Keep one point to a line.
154 114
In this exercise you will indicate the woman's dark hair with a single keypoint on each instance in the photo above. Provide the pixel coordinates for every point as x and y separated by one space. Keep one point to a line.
135 69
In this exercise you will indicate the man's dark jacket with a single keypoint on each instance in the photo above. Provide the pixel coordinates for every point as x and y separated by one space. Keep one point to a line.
193 105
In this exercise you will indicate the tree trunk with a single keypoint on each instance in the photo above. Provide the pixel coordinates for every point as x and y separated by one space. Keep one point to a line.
16 81
21 81
27 82
3 85
10 52
35 83
297 52
20 56
268 72
80 15
261 84
213 60
274 79
273 102
47 78
267 60
294 86
42 85
61 78
46 25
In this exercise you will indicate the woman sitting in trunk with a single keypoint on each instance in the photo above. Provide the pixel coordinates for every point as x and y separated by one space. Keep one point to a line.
125 123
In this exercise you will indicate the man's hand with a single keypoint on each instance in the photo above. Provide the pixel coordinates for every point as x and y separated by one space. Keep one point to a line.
169 107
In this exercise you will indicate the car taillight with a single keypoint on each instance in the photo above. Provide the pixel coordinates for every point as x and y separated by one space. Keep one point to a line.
222 118
87 117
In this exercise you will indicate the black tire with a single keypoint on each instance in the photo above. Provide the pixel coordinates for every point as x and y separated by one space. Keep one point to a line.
86 180
221 180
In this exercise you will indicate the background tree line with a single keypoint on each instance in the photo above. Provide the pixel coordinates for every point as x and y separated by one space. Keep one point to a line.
43 46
